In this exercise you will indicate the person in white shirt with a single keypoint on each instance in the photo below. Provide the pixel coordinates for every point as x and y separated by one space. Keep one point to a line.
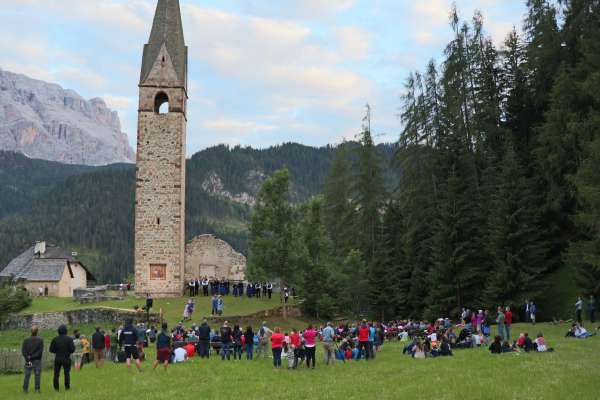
180 355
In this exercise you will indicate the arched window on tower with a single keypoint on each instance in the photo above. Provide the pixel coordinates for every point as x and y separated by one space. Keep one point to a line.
161 103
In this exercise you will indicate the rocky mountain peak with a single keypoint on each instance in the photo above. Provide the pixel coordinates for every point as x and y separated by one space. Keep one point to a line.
43 120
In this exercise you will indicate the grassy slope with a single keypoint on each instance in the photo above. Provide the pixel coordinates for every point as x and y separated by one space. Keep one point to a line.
570 372
172 308
172 311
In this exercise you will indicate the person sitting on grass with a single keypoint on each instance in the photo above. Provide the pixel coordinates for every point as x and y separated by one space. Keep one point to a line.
443 350
524 342
179 355
496 346
579 332
418 350
540 344
508 348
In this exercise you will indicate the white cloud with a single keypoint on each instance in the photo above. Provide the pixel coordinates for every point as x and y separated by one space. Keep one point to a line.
353 42
229 125
304 9
281 55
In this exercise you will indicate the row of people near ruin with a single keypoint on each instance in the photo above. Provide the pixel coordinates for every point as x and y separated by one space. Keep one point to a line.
223 287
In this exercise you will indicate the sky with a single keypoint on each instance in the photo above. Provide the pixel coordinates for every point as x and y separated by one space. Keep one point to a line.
261 72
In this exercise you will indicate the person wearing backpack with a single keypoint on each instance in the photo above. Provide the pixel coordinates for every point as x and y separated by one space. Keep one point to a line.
264 333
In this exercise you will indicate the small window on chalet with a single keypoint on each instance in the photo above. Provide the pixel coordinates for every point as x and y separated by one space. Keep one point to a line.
161 103
157 220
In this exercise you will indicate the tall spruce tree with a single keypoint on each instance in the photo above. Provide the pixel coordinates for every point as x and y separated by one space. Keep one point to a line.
515 242
338 202
274 251
369 193
316 284
389 277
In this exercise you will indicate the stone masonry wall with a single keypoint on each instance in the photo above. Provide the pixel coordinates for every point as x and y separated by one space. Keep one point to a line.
160 201
52 320
206 255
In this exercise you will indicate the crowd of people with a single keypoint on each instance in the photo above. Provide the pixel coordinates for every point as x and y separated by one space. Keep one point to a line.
294 348
206 286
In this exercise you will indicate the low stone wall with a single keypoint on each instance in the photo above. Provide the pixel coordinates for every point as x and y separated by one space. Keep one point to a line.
52 320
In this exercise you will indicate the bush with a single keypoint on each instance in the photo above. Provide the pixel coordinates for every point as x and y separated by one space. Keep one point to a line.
12 299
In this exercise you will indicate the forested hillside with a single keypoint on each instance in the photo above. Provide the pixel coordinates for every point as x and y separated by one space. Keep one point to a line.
499 200
90 209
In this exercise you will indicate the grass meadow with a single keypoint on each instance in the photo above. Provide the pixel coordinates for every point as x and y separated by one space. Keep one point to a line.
571 372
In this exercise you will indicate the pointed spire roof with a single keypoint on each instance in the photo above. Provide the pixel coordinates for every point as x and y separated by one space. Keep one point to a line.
167 30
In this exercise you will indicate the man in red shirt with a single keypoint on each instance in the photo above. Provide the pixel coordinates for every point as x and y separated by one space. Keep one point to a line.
507 323
363 340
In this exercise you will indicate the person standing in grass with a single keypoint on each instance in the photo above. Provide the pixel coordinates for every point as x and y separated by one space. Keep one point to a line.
249 338
500 321
32 350
98 344
129 339
220 305
276 345
592 308
62 347
578 310
371 348
328 335
114 344
295 344
264 333
214 304
237 342
204 339
532 312
188 310
507 322
163 348
310 343
226 334
78 353
363 340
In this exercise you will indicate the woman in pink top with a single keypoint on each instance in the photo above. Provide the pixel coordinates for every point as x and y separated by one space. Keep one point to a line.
310 341
276 345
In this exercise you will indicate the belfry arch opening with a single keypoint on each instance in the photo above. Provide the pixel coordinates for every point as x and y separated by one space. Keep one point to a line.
161 103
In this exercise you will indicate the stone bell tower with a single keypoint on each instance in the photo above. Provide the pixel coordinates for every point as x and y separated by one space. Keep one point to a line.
160 184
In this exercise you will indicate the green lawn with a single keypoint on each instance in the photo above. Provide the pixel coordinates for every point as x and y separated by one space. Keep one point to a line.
172 311
571 372
172 307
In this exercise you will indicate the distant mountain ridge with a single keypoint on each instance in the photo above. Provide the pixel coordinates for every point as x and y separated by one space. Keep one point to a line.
90 209
44 121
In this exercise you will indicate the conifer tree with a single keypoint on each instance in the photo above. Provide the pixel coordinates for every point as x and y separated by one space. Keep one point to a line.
274 252
370 193
515 241
337 208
